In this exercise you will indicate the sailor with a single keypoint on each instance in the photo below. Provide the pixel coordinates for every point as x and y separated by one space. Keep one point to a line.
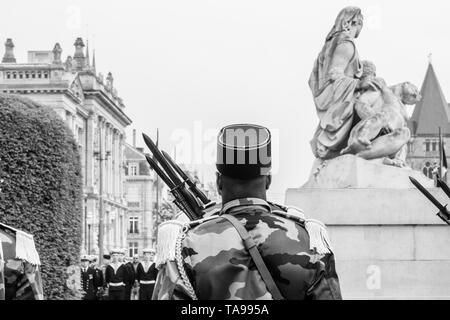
88 279
130 279
146 274
116 275
98 274
135 288
104 289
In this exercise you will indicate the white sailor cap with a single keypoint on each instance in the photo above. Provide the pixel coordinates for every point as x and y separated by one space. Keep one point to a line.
115 251
84 257
149 250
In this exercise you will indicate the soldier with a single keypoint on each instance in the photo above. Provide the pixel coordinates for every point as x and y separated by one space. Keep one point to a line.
116 275
88 279
251 248
146 275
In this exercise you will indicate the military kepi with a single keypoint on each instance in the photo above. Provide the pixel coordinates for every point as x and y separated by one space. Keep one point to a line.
244 151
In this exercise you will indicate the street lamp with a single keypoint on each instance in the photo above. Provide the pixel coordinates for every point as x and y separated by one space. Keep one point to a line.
99 156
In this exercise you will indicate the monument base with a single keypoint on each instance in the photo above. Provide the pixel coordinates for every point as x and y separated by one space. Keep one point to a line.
388 241
349 171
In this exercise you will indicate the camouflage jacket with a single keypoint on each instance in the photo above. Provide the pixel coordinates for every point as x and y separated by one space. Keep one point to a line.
206 259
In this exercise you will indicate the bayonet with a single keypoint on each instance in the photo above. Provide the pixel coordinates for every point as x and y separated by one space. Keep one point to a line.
441 184
189 181
184 198
443 212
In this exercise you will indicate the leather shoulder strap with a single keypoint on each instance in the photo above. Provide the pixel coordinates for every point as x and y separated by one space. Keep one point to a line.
250 245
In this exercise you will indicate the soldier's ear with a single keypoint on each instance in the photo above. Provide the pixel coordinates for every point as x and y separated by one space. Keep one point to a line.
219 183
268 181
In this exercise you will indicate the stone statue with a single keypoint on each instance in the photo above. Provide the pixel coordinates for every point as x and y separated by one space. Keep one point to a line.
333 82
359 114
361 140
57 54
382 131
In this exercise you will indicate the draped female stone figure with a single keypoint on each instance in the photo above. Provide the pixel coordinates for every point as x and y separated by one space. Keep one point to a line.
333 82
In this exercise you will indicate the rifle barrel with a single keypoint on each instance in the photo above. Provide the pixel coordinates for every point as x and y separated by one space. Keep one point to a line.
443 212
160 158
199 193
182 195
443 186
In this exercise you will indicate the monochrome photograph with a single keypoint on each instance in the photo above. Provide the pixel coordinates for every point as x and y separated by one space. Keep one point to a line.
224 150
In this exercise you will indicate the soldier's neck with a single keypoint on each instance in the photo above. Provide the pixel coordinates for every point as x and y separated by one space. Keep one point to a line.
230 197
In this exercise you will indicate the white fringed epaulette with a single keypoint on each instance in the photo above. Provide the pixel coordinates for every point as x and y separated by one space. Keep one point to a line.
317 231
318 236
168 233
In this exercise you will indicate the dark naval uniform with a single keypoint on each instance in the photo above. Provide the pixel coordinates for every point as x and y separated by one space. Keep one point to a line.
250 248
116 280
146 275
89 283
129 281
99 276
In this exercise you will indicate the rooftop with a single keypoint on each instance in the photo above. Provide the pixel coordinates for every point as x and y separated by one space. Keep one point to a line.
432 111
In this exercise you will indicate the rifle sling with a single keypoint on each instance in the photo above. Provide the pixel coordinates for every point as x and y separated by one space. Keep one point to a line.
250 245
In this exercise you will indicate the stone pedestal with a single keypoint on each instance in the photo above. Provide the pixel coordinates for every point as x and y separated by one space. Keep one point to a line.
388 241
349 171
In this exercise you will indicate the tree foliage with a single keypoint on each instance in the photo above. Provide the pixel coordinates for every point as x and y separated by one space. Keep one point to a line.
41 186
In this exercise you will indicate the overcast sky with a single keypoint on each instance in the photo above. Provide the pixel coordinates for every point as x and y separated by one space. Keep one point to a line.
190 67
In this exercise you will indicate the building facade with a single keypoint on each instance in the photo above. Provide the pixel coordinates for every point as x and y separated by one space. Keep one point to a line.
140 200
430 113
92 109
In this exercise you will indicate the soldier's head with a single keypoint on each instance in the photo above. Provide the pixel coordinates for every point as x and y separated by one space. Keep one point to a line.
84 261
149 255
243 162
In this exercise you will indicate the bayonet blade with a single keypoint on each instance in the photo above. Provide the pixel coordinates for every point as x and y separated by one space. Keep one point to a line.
427 194
443 212
443 186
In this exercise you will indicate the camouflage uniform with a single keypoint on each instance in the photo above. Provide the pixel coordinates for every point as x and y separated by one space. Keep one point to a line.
206 258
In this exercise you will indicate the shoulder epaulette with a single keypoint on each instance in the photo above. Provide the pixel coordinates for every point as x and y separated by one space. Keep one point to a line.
290 212
168 233
318 236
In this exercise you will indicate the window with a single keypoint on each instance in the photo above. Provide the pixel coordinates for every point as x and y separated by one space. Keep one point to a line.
427 146
134 225
434 146
133 169
133 248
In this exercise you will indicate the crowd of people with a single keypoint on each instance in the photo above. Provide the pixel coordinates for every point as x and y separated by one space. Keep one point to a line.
120 277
